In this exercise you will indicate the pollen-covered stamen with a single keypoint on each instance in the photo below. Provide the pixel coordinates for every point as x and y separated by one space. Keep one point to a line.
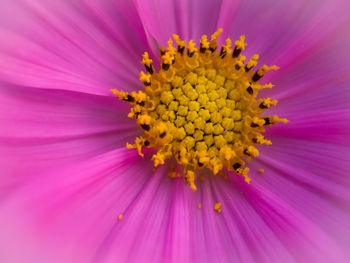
226 49
239 47
145 78
191 48
260 73
147 62
213 45
204 44
251 63
181 44
200 109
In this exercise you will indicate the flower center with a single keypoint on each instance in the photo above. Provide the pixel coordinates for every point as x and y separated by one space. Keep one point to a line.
201 108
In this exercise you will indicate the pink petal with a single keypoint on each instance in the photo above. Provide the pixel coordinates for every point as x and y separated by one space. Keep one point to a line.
328 126
81 46
78 216
42 130
286 29
312 177
189 19
318 78
69 211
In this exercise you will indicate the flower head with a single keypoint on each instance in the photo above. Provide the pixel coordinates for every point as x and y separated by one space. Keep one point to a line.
201 107
71 191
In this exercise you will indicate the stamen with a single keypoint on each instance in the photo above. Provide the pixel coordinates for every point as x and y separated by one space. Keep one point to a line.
148 63
239 47
200 109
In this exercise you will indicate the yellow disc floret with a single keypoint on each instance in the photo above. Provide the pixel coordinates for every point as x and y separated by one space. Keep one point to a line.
201 108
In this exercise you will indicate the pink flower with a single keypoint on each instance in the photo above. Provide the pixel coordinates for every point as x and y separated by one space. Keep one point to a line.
65 174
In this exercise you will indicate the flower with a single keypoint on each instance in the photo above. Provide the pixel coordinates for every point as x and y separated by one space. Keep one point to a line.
72 192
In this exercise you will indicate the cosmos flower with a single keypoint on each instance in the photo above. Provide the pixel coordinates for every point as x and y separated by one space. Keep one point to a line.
70 190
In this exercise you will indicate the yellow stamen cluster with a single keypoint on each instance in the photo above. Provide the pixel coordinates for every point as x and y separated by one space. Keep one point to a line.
200 108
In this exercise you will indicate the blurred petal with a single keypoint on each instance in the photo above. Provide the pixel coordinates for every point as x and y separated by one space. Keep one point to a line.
318 80
328 126
75 45
71 210
189 19
42 130
256 225
286 29
312 177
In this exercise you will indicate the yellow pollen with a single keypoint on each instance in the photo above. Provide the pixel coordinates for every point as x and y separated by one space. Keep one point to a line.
120 217
217 207
261 170
199 206
201 108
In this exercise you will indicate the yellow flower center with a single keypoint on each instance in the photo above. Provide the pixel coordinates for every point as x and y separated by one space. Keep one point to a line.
201 109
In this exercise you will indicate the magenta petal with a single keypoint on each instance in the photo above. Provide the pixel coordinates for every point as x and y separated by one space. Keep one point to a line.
329 126
72 45
317 79
189 19
72 210
312 177
286 29
319 167
78 215
45 129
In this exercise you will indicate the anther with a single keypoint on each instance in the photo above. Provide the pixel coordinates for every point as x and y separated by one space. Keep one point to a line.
146 127
262 106
251 63
256 77
165 66
213 44
148 63
181 44
149 69
180 50
239 47
236 166
260 73
190 54
250 90
222 53
246 152
267 121
236 52
246 69
162 51
129 98
226 48
204 44
191 48
145 78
